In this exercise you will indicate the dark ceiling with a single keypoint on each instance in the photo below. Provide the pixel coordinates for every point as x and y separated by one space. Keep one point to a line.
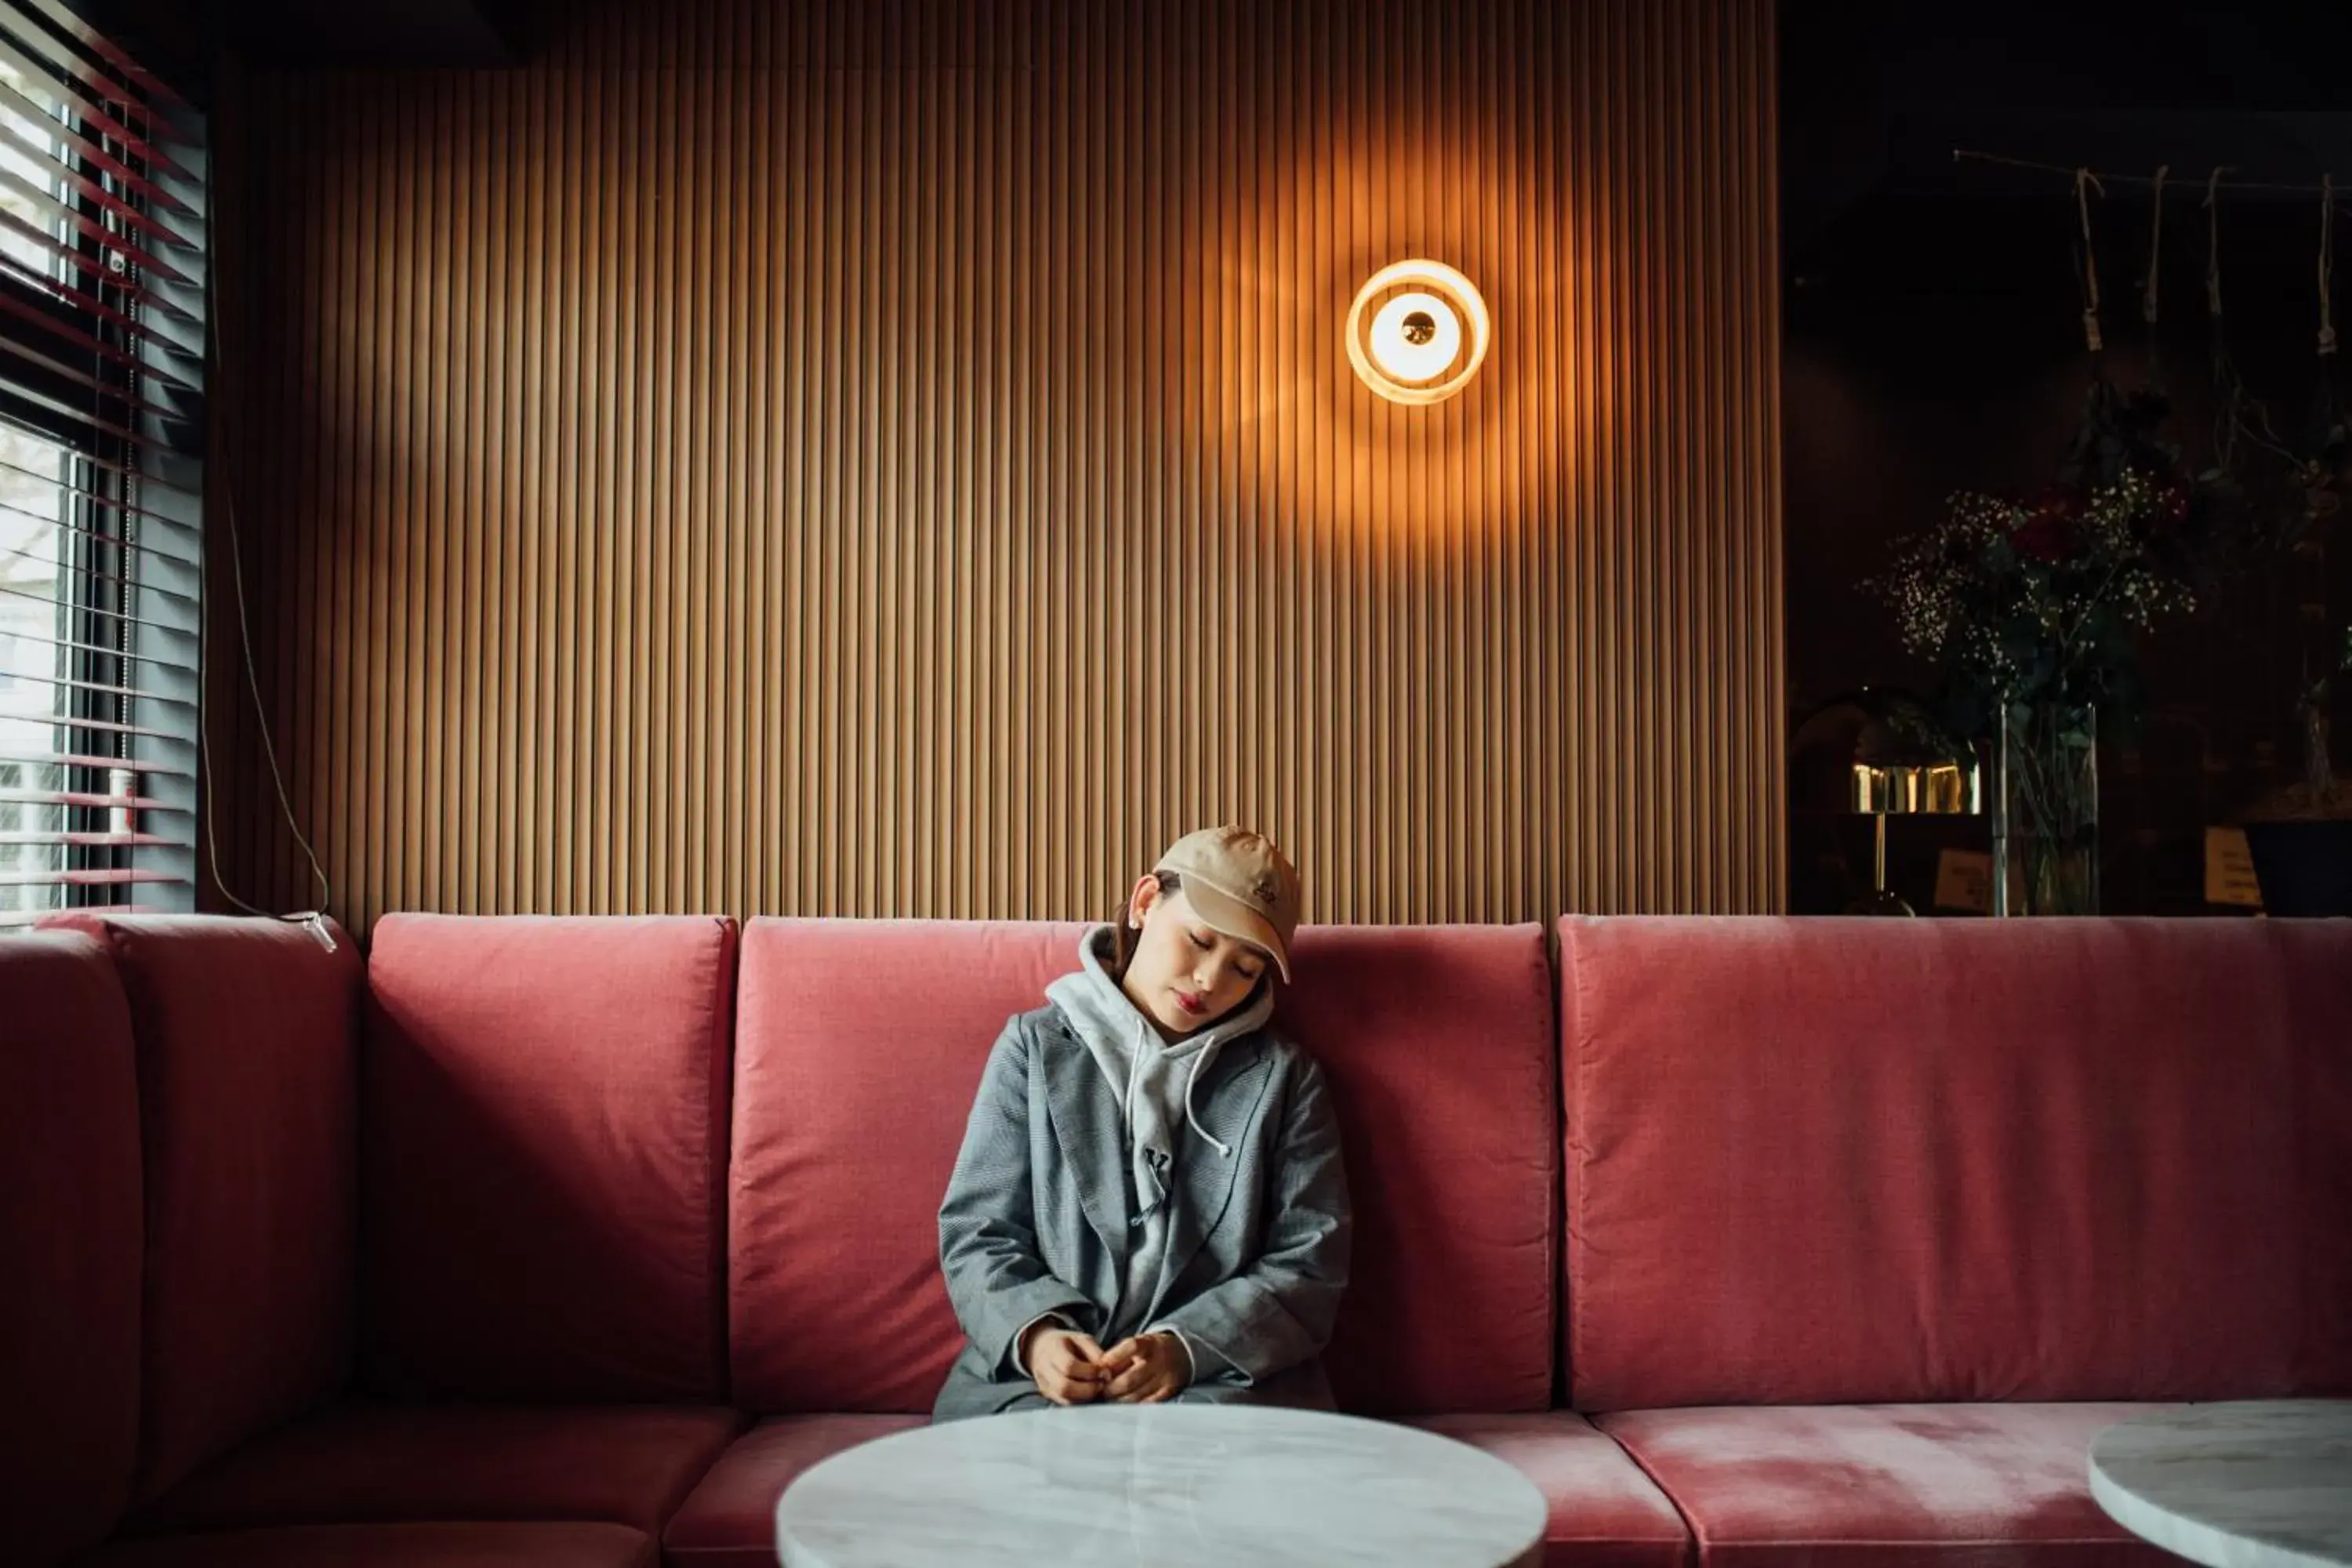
1874 101
369 32
1874 96
180 38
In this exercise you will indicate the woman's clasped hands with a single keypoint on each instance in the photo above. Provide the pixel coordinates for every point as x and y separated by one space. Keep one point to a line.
1070 1368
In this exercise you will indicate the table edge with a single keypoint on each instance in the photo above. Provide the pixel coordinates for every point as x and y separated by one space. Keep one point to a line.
2190 1538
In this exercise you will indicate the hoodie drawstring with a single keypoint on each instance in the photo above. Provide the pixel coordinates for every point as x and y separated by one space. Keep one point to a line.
1191 1080
1143 1042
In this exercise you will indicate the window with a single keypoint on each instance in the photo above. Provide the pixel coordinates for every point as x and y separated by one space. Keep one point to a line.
101 359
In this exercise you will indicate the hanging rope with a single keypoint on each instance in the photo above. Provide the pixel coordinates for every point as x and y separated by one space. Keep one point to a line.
2237 414
2323 449
1963 155
2213 243
2084 184
2229 391
2154 249
2326 261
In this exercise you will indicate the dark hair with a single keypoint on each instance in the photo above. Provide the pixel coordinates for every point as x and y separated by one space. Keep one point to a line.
1123 936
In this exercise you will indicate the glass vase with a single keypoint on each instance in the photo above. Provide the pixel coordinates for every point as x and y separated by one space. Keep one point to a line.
2046 810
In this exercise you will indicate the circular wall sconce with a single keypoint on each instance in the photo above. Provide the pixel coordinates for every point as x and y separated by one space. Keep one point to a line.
1427 334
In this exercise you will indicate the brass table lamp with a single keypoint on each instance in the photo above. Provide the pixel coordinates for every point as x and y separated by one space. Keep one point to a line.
1948 787
1882 752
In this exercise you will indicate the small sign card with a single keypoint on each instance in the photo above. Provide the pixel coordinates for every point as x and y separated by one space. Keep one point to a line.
2229 869
1964 881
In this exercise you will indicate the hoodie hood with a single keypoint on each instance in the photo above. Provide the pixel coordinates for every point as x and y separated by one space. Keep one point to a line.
1152 1078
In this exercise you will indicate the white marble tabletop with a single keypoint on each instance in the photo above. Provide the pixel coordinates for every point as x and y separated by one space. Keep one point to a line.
2257 1484
1129 1486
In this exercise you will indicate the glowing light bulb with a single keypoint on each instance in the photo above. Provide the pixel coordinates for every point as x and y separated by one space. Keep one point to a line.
1416 336
1423 343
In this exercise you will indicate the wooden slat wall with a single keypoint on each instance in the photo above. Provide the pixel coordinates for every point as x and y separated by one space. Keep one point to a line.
835 460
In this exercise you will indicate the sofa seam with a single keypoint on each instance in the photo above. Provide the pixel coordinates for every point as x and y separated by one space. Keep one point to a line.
1554 1175
1573 1175
1929 1543
719 1138
1693 1545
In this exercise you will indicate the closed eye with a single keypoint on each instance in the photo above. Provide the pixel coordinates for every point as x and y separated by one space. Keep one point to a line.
1202 941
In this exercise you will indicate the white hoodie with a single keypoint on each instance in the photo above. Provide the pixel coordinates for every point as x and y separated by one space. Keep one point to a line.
1153 1080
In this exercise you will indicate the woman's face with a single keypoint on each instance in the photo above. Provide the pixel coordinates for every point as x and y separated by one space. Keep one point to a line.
1184 975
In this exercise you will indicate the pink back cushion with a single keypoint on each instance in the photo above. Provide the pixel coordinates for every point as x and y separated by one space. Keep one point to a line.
857 1052
1438 1043
69 1246
1827 1161
544 1141
245 1032
859 1048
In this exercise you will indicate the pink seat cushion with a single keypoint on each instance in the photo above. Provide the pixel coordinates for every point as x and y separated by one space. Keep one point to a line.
69 1245
545 1105
730 1522
1603 1512
1962 1484
1828 1161
246 1037
851 1100
358 1463
503 1545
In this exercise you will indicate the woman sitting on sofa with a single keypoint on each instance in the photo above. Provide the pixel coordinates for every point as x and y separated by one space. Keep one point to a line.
1149 1203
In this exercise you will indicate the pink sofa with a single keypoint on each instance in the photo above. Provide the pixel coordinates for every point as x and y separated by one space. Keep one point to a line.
537 1241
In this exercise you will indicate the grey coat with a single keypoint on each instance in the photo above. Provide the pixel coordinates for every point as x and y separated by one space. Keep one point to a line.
1035 1218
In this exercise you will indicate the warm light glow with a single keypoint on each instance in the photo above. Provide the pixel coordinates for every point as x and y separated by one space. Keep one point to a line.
1415 336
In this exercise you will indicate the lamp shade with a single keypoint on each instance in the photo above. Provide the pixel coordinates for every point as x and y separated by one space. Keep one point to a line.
1418 332
1883 752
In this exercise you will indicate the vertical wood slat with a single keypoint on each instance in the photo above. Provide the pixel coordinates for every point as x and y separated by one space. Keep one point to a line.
751 461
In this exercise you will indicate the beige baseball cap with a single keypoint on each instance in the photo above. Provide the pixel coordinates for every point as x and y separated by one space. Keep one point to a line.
1239 883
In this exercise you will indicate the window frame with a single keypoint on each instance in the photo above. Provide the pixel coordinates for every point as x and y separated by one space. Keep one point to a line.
129 554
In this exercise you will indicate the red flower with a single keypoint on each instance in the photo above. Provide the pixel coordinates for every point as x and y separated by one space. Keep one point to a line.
2047 532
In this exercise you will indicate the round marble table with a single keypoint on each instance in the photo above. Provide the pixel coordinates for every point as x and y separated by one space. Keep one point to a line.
1129 1486
2259 1483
